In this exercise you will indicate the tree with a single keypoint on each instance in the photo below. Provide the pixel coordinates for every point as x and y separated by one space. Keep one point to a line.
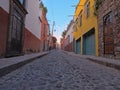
44 8
98 3
64 33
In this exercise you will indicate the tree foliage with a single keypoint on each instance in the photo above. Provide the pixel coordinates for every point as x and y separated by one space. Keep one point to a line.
42 6
98 3
64 33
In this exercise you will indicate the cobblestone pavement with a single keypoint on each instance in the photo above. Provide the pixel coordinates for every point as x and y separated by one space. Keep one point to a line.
61 71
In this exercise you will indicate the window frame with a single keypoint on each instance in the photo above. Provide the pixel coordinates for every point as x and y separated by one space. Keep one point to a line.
81 20
22 2
87 9
108 38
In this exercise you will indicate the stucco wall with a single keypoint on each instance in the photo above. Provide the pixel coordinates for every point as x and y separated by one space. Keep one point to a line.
70 32
87 22
32 22
5 5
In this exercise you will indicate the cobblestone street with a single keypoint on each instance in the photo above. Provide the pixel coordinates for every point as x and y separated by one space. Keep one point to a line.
61 71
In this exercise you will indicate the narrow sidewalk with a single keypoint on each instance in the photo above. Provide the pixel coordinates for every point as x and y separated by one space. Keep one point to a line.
113 63
7 65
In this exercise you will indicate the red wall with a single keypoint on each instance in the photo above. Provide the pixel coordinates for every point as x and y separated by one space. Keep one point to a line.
44 30
69 47
3 31
31 42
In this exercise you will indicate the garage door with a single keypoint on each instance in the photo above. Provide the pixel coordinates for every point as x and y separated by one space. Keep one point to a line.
78 46
89 43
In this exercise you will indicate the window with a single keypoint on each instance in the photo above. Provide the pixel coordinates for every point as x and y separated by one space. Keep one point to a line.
74 28
68 39
76 24
108 35
80 20
87 9
22 2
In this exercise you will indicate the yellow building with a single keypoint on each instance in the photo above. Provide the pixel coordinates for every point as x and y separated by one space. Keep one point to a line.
86 28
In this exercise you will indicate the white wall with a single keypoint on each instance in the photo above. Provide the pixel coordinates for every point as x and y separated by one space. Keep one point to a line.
70 33
5 5
32 22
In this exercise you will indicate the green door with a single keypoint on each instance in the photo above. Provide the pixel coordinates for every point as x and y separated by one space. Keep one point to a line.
78 46
89 43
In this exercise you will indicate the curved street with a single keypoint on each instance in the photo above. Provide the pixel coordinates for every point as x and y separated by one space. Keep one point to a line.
60 70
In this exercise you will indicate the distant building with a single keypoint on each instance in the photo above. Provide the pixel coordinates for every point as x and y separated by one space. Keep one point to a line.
54 42
62 41
58 46
69 37
109 28
45 29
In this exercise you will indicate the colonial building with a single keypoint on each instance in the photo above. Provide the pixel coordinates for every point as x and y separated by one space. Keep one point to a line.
109 28
45 29
69 37
19 27
54 40
86 28
62 42
32 31
12 17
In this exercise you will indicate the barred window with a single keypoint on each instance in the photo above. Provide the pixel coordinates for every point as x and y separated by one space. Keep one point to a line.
80 20
108 35
22 2
87 9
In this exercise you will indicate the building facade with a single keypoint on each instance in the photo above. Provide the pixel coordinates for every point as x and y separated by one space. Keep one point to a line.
13 14
62 42
86 28
45 30
54 40
32 31
69 37
109 28
19 27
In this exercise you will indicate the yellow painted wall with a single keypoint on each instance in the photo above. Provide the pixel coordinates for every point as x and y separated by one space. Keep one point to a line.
87 23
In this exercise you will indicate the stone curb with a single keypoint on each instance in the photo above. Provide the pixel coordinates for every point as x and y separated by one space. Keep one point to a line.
97 60
108 64
7 69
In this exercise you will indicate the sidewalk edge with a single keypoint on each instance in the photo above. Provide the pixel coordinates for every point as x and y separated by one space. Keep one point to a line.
8 69
105 63
108 64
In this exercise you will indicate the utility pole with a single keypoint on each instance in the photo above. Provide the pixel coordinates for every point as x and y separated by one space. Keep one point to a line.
53 27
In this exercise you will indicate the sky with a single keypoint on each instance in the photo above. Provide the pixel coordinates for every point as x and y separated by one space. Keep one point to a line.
60 11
